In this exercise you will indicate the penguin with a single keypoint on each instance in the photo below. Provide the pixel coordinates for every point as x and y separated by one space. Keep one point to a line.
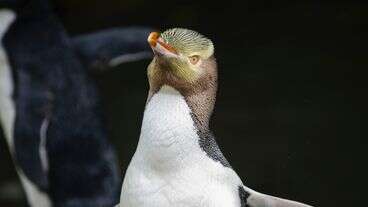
177 161
50 110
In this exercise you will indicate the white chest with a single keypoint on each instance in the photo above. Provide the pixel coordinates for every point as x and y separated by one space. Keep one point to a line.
169 168
168 132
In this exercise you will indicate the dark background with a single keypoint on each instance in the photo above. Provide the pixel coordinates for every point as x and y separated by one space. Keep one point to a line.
292 98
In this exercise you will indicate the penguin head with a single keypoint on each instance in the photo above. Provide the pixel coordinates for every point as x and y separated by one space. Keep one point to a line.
183 59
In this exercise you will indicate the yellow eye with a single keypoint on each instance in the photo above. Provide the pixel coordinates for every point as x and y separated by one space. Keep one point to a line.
194 59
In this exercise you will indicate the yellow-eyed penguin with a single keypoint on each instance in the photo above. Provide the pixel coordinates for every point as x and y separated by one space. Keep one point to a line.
177 161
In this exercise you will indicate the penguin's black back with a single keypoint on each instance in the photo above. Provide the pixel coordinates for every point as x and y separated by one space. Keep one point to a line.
51 85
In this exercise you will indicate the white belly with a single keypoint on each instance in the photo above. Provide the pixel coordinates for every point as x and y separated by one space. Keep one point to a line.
7 113
169 168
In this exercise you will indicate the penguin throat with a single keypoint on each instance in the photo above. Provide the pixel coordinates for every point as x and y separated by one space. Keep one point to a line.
168 133
200 102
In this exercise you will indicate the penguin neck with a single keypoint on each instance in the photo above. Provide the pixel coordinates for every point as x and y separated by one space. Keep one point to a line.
169 134
201 101
202 105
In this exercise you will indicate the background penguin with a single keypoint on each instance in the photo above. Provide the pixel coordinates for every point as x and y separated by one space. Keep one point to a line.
177 161
50 109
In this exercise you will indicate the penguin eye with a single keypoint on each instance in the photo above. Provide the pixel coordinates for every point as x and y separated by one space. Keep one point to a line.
194 59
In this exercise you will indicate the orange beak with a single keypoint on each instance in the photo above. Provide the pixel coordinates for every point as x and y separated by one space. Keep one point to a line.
154 39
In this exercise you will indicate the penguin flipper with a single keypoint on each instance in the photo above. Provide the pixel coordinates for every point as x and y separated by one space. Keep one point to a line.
109 48
252 198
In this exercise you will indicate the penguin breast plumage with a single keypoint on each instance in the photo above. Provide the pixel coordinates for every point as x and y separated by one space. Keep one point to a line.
169 168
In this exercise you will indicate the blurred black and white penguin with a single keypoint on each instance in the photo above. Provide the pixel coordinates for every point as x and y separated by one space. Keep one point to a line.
49 107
